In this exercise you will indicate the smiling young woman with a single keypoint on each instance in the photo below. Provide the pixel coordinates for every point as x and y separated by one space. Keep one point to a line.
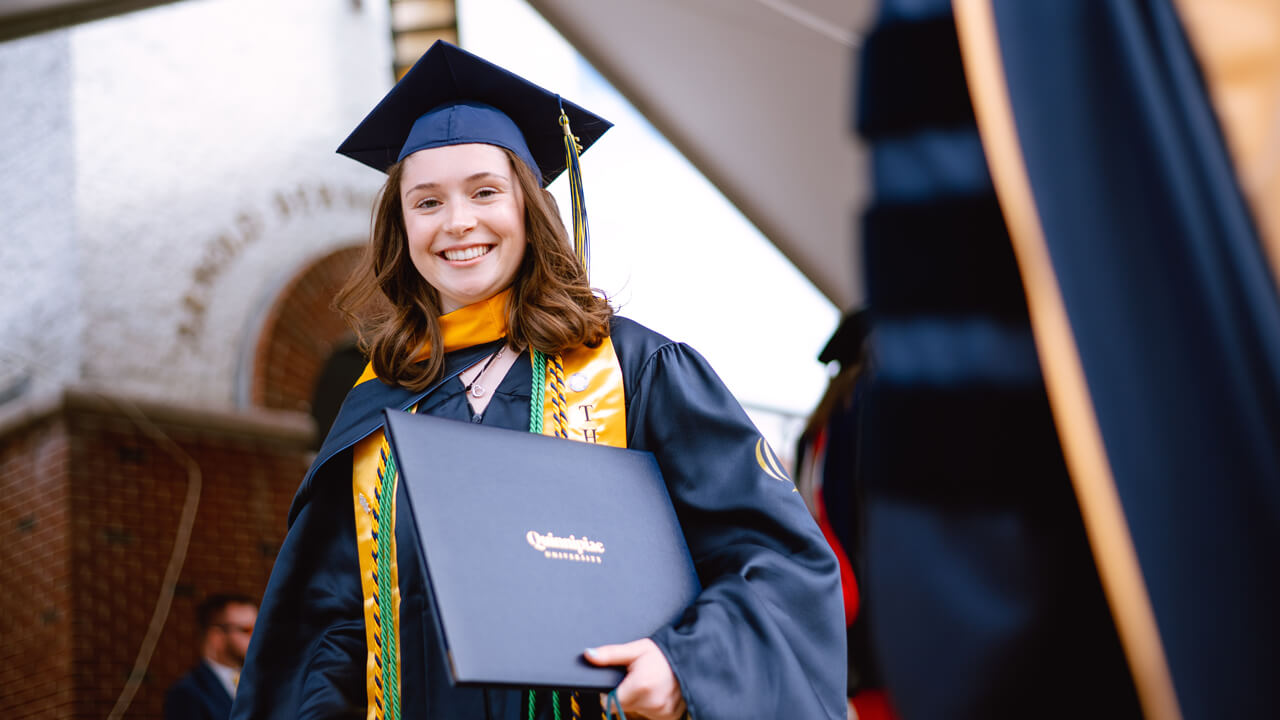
473 304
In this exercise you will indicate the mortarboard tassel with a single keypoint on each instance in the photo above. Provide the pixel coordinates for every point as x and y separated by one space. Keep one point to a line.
581 237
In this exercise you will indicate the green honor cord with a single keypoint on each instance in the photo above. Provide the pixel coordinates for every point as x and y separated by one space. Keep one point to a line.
386 605
537 393
537 396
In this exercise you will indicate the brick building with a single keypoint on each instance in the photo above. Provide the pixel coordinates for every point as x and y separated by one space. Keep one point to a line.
175 224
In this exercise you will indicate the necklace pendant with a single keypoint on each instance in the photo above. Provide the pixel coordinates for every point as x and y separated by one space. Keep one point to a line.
474 388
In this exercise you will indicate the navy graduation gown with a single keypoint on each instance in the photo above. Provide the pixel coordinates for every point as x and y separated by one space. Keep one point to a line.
1175 318
764 639
981 594
1174 323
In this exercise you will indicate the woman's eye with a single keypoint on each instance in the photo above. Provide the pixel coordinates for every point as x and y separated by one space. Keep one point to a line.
427 203
486 192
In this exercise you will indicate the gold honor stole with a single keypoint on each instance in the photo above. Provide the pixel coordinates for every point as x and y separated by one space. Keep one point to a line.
583 400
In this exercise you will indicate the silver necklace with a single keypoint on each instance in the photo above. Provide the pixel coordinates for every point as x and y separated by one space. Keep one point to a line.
474 387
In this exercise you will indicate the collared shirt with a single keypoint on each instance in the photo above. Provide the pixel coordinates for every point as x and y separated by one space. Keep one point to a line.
228 675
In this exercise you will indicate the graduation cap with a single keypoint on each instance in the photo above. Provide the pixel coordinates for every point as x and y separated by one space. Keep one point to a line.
452 97
846 342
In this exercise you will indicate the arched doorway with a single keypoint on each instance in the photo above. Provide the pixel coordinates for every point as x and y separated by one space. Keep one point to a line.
306 358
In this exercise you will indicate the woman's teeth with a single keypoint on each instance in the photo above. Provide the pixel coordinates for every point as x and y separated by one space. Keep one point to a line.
470 253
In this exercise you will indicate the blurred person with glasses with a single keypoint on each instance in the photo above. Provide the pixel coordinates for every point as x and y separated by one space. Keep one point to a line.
205 693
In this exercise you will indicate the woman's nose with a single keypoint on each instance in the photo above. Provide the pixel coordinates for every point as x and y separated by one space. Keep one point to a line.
461 219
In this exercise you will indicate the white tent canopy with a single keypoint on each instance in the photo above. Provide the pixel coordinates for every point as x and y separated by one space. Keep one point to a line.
758 95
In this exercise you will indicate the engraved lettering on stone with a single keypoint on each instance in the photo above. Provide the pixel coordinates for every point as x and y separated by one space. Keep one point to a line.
247 228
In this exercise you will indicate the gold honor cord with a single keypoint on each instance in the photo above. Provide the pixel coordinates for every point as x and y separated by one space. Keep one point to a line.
1073 412
559 424
374 478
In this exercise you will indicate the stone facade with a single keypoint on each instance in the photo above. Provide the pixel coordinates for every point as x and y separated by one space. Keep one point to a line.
162 175
205 177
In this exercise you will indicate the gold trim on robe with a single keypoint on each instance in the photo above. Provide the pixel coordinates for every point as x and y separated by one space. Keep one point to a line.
364 478
595 406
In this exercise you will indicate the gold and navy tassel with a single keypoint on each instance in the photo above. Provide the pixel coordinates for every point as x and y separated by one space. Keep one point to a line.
581 237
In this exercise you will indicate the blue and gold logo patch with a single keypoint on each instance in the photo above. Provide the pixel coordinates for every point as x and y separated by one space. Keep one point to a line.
769 462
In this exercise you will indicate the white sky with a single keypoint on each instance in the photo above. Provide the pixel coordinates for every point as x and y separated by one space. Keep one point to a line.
669 250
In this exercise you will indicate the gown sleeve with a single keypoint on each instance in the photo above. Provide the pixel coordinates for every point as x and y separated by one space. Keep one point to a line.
765 638
307 656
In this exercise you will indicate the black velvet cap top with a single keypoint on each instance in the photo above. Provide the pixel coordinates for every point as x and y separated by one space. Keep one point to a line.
451 97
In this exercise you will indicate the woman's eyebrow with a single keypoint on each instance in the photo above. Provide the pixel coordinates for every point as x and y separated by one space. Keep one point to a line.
472 178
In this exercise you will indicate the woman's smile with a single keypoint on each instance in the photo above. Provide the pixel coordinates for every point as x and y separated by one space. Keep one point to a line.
464 255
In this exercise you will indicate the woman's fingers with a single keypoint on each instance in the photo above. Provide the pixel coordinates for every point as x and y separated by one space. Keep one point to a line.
650 687
623 654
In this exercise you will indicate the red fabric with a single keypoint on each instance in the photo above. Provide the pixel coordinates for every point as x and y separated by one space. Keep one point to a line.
848 584
872 705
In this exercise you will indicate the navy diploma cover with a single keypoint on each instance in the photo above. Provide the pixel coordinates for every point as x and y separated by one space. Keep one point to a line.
536 548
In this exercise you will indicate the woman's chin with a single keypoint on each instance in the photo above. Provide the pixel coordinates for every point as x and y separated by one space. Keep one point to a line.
461 298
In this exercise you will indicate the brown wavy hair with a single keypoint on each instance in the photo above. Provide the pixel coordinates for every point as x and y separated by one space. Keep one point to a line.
394 311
